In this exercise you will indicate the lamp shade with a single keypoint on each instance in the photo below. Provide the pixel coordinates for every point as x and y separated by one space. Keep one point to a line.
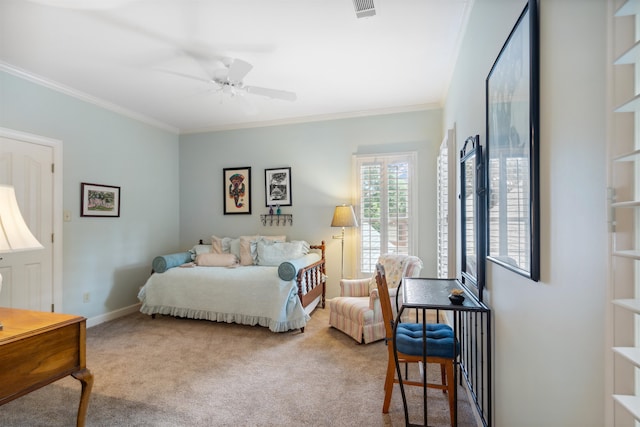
14 233
344 216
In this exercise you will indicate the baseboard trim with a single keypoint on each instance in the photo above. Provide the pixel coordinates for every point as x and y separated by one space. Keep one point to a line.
94 321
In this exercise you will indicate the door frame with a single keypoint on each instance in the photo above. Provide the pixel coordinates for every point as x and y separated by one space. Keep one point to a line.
56 210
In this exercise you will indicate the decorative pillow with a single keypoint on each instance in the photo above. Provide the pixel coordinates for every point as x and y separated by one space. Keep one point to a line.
216 260
234 246
281 238
199 249
245 249
162 263
288 270
249 247
254 244
216 245
275 253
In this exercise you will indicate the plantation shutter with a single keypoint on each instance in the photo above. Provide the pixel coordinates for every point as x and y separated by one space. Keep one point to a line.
385 203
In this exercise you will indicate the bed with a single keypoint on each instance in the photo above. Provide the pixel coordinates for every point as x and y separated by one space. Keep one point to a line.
280 296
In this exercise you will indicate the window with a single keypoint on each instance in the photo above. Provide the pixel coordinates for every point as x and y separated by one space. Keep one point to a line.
446 220
386 207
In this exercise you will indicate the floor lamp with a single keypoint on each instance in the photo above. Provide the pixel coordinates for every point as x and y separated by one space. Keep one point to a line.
343 217
14 234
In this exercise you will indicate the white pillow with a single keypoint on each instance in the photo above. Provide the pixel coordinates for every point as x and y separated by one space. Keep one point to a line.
199 249
234 246
275 253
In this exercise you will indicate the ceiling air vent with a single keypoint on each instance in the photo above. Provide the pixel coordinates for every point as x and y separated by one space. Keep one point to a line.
364 8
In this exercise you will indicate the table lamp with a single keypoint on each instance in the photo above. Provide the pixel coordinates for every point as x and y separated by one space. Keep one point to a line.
343 216
14 234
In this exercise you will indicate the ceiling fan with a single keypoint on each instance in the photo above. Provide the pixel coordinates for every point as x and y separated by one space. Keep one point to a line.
230 80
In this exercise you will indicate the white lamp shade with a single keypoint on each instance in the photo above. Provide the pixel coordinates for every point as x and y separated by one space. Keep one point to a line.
14 233
344 216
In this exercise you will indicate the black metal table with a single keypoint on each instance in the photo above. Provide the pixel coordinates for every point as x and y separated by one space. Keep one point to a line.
475 340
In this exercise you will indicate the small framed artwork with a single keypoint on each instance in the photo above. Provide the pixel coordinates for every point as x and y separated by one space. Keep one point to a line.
237 190
277 185
99 200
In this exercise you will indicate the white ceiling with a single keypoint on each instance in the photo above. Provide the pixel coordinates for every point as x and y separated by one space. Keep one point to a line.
139 56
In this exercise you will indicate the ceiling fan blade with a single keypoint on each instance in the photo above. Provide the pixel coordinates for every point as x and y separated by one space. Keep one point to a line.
188 76
238 69
271 93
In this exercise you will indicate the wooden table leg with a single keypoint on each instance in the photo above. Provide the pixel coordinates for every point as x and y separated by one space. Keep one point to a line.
86 379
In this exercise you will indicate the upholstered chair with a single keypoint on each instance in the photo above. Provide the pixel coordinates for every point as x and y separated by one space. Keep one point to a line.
357 311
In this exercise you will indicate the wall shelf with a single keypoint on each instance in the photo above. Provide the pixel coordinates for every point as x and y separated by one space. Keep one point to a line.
628 204
630 304
624 279
276 219
630 403
630 106
630 7
632 354
630 253
628 157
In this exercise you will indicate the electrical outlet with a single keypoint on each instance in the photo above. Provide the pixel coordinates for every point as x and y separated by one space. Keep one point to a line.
86 297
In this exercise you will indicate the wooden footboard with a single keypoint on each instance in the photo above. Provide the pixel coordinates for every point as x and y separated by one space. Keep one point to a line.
311 279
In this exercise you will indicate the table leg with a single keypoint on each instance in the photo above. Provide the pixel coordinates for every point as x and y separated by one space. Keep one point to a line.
86 379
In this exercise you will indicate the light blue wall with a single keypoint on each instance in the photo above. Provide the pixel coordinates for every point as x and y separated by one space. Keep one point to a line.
549 336
320 156
107 257
172 186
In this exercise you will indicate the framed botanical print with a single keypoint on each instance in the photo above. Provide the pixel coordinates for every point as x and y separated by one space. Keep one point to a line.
277 186
236 184
99 200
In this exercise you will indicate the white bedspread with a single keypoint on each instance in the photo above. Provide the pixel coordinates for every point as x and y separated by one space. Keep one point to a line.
250 295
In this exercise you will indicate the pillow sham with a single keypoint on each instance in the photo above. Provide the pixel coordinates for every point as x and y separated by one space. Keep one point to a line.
234 247
216 260
245 249
222 245
249 248
275 253
216 244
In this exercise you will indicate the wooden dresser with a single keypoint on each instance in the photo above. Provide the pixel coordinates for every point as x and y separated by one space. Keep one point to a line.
38 348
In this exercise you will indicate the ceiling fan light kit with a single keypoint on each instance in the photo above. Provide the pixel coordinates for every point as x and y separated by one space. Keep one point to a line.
230 81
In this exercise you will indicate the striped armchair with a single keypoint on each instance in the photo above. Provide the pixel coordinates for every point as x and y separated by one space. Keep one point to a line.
357 311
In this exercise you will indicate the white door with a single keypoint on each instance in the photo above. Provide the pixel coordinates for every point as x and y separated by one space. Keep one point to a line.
28 276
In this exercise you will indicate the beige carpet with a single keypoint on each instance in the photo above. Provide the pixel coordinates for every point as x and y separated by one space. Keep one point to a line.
179 372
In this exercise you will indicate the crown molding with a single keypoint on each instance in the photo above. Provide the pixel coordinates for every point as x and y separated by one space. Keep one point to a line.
316 118
58 87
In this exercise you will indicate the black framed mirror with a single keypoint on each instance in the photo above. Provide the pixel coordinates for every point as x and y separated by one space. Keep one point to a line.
472 215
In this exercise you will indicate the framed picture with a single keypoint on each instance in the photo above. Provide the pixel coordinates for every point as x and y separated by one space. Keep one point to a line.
277 186
99 200
512 90
236 187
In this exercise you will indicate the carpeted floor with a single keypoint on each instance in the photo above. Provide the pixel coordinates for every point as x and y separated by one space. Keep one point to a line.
179 372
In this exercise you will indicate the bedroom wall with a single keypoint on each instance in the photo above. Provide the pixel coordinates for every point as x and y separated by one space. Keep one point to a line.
320 156
107 257
549 365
